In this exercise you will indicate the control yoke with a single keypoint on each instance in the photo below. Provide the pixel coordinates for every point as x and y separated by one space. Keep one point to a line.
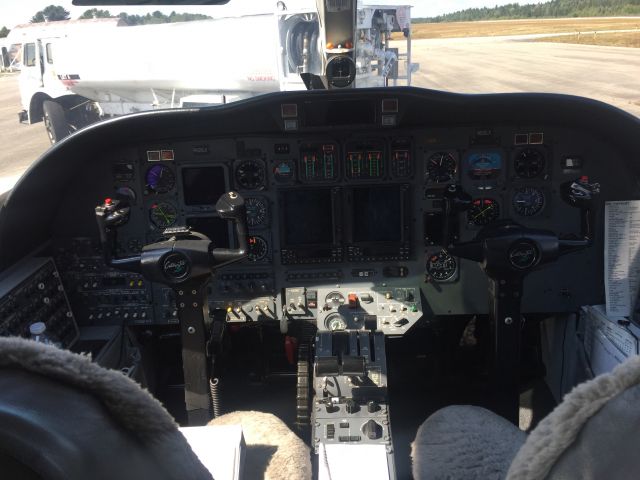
507 252
184 260
183 255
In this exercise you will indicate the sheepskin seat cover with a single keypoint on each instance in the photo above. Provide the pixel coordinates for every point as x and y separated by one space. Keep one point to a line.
145 426
592 434
273 451
464 441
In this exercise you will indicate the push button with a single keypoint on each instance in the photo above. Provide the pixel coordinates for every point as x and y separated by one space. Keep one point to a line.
353 300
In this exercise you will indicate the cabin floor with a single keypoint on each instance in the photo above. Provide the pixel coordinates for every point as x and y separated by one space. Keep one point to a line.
435 366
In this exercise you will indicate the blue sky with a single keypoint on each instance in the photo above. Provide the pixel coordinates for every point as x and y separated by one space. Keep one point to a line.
13 12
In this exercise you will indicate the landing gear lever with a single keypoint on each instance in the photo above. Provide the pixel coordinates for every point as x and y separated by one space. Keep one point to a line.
185 261
507 252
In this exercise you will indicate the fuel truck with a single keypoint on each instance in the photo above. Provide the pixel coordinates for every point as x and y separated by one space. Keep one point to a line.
77 75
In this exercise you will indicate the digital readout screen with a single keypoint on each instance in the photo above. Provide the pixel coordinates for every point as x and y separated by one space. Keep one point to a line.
309 217
203 185
215 228
377 214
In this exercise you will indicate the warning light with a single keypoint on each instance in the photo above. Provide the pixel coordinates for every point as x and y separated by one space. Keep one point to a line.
167 155
252 240
107 201
348 44
329 46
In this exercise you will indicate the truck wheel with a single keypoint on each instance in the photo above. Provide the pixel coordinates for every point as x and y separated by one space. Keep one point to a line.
55 121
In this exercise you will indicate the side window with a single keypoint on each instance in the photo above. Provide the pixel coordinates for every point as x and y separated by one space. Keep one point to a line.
49 53
30 55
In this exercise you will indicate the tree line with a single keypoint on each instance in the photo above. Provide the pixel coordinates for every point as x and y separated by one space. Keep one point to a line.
54 13
550 9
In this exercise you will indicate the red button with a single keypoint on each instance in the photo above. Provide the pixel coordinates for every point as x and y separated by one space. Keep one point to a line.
353 300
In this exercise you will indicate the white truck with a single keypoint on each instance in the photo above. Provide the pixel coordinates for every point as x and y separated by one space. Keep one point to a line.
77 75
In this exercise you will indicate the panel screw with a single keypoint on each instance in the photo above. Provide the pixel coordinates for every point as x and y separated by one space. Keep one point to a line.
193 292
195 304
508 321
180 292
191 330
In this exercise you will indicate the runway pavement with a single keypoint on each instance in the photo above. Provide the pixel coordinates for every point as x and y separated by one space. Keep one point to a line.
513 64
465 65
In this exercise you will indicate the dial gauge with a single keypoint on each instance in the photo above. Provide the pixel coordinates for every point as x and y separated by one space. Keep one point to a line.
441 266
336 322
528 201
529 163
483 211
334 300
160 179
163 214
250 174
441 167
257 211
258 248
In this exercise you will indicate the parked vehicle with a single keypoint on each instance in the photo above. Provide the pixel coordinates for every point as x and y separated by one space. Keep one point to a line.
68 79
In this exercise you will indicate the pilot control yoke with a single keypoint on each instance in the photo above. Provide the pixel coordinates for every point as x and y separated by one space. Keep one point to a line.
184 260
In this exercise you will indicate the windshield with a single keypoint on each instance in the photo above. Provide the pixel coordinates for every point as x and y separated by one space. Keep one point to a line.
66 67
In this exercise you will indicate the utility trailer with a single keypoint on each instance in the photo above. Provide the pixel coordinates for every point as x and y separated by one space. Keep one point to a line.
75 77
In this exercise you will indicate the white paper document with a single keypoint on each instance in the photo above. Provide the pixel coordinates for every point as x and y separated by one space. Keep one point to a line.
348 462
621 256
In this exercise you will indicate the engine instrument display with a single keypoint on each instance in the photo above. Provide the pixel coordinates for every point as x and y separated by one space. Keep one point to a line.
528 201
163 214
483 211
203 185
257 211
441 167
484 165
441 266
529 163
258 248
365 164
250 174
401 163
160 179
318 163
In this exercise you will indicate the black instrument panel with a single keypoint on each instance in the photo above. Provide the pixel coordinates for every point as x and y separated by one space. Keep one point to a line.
348 208
332 204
